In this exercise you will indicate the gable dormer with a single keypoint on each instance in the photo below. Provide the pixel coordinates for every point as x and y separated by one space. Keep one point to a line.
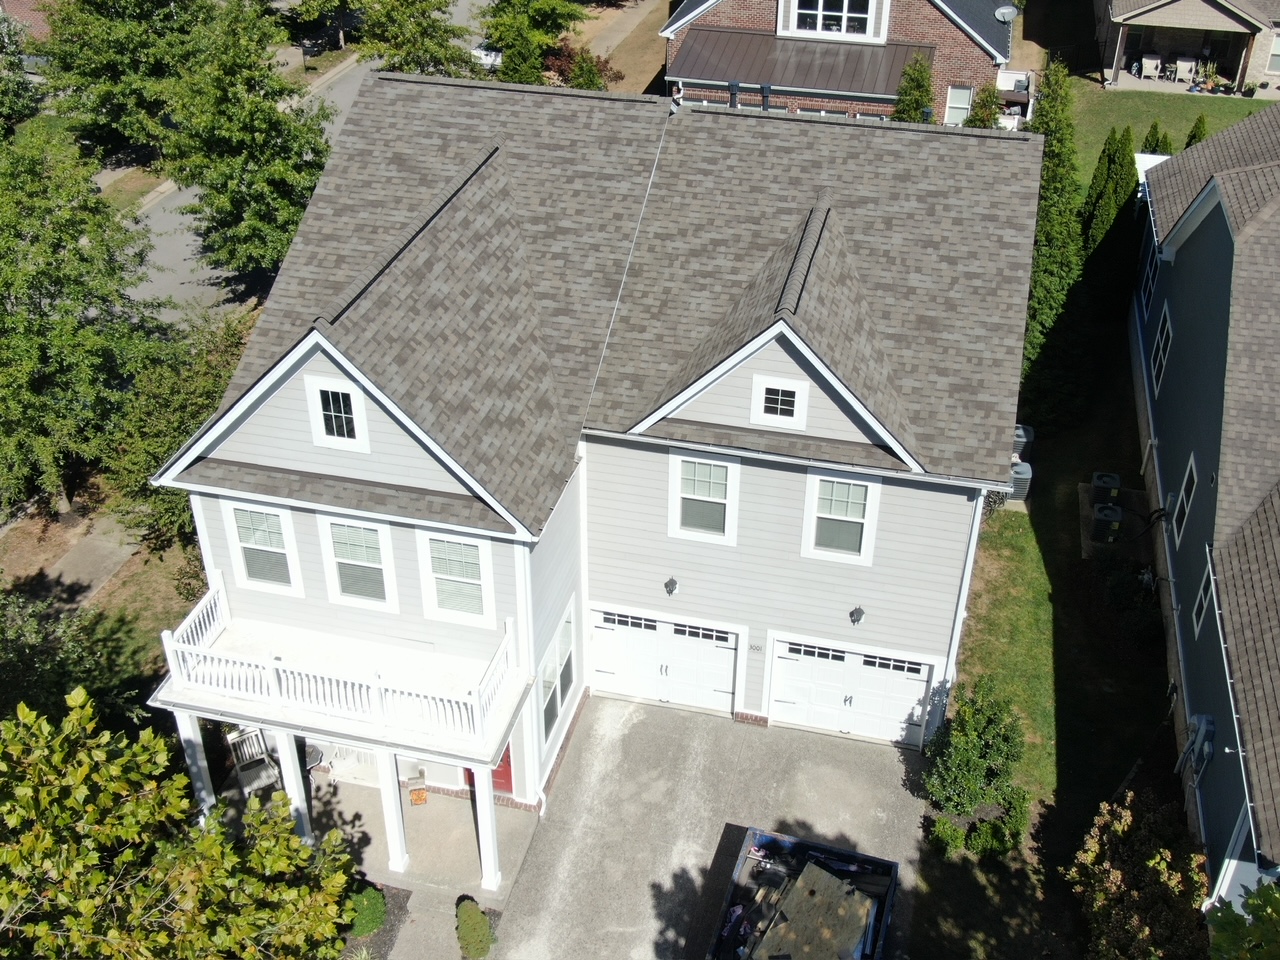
851 21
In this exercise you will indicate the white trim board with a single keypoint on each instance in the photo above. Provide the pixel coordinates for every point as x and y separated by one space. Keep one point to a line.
218 428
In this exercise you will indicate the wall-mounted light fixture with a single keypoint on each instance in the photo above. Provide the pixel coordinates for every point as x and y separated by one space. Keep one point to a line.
672 586
856 615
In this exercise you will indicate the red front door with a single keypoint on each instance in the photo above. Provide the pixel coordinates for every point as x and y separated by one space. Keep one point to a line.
503 782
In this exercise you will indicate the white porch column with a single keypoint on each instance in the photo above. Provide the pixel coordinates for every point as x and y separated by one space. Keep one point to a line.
197 762
486 828
392 811
295 783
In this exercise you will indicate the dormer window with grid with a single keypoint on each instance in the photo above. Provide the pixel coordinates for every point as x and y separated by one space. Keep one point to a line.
337 412
776 402
834 16
779 402
335 408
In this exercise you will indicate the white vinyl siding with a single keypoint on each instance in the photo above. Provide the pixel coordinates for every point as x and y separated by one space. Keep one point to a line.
959 104
457 575
265 554
358 565
840 516
703 498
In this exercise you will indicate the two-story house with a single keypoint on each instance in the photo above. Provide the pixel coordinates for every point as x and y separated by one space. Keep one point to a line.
560 390
1206 347
842 57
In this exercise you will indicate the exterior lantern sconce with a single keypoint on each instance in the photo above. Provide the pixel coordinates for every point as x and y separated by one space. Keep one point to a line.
672 586
856 615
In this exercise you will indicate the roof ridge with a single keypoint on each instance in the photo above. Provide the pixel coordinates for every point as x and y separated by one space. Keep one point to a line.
1248 168
793 286
366 277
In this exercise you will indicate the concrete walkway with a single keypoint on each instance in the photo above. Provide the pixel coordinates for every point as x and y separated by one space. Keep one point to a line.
95 557
604 36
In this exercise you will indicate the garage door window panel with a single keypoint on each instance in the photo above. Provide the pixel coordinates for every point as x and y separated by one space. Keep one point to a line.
704 499
840 515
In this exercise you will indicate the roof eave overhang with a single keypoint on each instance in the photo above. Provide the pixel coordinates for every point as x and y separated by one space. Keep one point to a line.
777 90
973 35
672 26
1142 11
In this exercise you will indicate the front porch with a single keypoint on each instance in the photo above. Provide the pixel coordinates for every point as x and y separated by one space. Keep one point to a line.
1128 82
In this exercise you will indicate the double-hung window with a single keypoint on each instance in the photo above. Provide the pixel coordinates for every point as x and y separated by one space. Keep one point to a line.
337 412
457 579
848 17
1149 280
703 498
359 569
1160 350
264 554
556 675
959 105
840 517
776 402
1182 509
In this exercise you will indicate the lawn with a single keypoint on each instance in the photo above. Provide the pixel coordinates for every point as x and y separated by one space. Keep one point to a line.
1098 110
317 66
130 187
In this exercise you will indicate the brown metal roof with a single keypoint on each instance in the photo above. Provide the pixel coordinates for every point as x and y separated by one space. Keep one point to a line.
723 55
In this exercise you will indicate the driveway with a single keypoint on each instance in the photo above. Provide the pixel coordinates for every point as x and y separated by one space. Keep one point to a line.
642 827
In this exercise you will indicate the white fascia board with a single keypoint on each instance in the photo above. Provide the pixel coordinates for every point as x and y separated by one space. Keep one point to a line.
211 433
238 494
951 15
967 483
694 83
1192 217
669 31
1242 14
745 353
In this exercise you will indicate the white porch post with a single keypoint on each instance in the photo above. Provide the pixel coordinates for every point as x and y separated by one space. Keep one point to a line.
197 762
392 811
295 783
486 828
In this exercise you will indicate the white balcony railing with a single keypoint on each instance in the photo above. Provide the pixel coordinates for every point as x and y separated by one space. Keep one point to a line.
195 664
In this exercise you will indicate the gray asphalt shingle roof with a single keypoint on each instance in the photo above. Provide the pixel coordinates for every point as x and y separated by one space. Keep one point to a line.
1261 10
483 310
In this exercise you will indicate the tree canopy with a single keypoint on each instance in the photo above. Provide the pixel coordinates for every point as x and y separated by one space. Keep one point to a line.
101 858
242 134
71 336
113 63
586 74
915 92
416 36
1056 257
18 97
1251 935
531 27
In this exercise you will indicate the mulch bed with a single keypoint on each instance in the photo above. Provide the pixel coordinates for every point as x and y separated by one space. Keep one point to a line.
381 941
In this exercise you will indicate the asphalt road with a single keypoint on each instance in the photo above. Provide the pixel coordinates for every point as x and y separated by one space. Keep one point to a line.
175 270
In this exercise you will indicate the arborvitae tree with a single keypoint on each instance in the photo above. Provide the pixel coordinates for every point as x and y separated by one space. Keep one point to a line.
1157 140
985 114
1114 181
1165 144
415 36
1101 173
18 97
915 92
1199 130
521 60
586 73
1055 261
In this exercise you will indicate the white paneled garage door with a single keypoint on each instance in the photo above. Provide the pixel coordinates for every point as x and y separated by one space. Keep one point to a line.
865 694
686 663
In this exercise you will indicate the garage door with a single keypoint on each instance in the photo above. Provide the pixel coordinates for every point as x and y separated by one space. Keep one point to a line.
685 663
849 692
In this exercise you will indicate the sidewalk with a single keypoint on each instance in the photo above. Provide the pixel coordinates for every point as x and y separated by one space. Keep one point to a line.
607 33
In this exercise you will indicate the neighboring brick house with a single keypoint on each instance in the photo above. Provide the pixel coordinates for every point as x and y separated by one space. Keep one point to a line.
836 56
30 14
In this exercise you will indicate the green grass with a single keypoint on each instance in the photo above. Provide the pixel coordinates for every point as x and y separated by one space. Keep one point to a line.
317 67
369 907
54 124
1098 110
126 190
1010 636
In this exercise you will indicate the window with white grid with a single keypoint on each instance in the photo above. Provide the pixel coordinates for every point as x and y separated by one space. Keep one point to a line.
840 517
457 578
337 411
264 554
359 570
703 499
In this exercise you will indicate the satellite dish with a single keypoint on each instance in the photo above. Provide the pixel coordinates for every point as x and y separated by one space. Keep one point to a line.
1006 14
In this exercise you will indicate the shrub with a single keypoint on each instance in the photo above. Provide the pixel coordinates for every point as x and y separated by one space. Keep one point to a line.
1141 881
475 933
1199 131
947 835
915 93
985 114
972 759
984 838
368 909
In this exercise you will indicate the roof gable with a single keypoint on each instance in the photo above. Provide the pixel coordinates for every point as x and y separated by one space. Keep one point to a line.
1200 14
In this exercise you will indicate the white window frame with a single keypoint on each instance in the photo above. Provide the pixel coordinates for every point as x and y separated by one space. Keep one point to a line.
966 107
730 536
391 604
1183 504
877 20
761 382
1160 346
552 654
314 385
1204 601
1273 61
1149 276
431 608
808 549
294 587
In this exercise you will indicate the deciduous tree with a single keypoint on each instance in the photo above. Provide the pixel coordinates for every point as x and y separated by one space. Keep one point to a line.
535 24
242 134
18 97
586 73
71 336
100 857
112 63
915 92
335 12
985 114
416 36
1056 259
1251 935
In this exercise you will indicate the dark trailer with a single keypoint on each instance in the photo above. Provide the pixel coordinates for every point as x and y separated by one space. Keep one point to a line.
796 900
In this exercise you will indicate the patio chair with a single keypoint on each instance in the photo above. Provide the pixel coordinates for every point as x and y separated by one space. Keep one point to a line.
255 767
1185 69
1150 67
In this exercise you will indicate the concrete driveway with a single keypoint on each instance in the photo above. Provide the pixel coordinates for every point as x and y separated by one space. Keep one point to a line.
633 857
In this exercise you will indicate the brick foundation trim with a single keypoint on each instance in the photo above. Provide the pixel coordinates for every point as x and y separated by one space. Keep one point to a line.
467 793
752 718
